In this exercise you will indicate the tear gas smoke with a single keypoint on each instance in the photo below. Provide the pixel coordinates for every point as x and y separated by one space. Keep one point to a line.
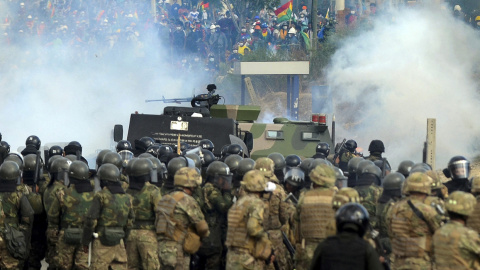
61 93
388 80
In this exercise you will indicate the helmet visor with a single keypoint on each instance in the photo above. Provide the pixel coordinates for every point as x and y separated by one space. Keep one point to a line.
460 169
126 156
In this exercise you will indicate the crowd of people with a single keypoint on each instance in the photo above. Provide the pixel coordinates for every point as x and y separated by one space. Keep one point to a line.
154 206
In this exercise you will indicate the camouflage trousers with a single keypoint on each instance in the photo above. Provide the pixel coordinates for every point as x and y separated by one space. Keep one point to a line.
142 250
412 263
38 247
104 257
240 260
171 256
7 262
52 240
282 256
304 255
70 256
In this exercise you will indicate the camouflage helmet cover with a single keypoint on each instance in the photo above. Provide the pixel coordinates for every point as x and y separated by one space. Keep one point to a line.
186 177
323 175
254 181
417 182
344 196
461 203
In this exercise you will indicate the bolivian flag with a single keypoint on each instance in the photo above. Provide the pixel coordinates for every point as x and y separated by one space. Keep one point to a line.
284 13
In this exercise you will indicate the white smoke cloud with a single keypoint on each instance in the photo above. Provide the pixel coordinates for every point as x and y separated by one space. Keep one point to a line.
50 92
388 80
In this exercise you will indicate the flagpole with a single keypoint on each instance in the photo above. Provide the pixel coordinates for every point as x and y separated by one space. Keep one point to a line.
314 25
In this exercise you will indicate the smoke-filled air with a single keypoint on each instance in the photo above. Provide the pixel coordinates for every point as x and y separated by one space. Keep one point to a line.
388 80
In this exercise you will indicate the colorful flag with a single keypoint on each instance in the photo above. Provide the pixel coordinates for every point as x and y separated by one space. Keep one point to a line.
53 12
284 13
203 5
135 15
100 15
49 4
326 16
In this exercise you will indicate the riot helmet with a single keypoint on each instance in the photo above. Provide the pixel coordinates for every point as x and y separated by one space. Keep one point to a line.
55 150
295 177
278 160
306 165
218 173
154 150
206 144
245 165
176 164
341 179
208 157
323 148
351 145
123 145
233 161
108 172
51 160
376 146
459 167
72 148
9 171
5 145
224 151
100 156
196 160
235 149
126 156
393 181
404 167
141 167
113 158
144 143
352 216
293 161
33 140
15 158
78 170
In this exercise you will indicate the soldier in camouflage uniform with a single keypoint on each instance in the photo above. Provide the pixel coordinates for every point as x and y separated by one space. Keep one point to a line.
368 187
58 174
346 154
173 166
116 159
218 199
343 196
454 245
411 224
376 148
438 196
473 221
16 212
247 241
180 223
314 211
67 212
142 247
277 213
29 188
110 217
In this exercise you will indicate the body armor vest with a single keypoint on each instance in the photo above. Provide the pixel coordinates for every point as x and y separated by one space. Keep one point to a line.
473 220
272 216
316 212
406 241
447 246
237 235
166 224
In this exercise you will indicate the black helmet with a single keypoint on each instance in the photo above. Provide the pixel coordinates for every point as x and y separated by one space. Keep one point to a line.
196 160
376 146
141 167
278 160
123 145
33 140
30 163
379 164
306 165
108 172
459 167
55 150
78 170
352 214
224 150
404 167
372 169
113 158
245 165
393 181
295 177
164 151
208 157
100 157
351 145
232 162
235 149
5 145
72 148
15 158
323 148
218 167
9 171
353 164
293 161
144 143
154 150
206 144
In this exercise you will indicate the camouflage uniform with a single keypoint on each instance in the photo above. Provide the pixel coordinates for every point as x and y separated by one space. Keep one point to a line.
343 160
216 208
19 214
67 212
247 241
180 222
369 195
142 246
124 181
374 156
277 213
411 237
111 212
343 196
52 231
314 212
473 221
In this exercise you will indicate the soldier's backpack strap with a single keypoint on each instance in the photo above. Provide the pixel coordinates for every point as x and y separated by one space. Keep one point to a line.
419 215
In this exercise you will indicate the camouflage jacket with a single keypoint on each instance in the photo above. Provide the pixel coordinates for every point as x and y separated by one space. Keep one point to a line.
186 212
216 204
50 195
439 205
35 199
108 210
473 220
456 247
69 208
374 156
17 210
144 202
277 211
411 236
369 196
343 160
